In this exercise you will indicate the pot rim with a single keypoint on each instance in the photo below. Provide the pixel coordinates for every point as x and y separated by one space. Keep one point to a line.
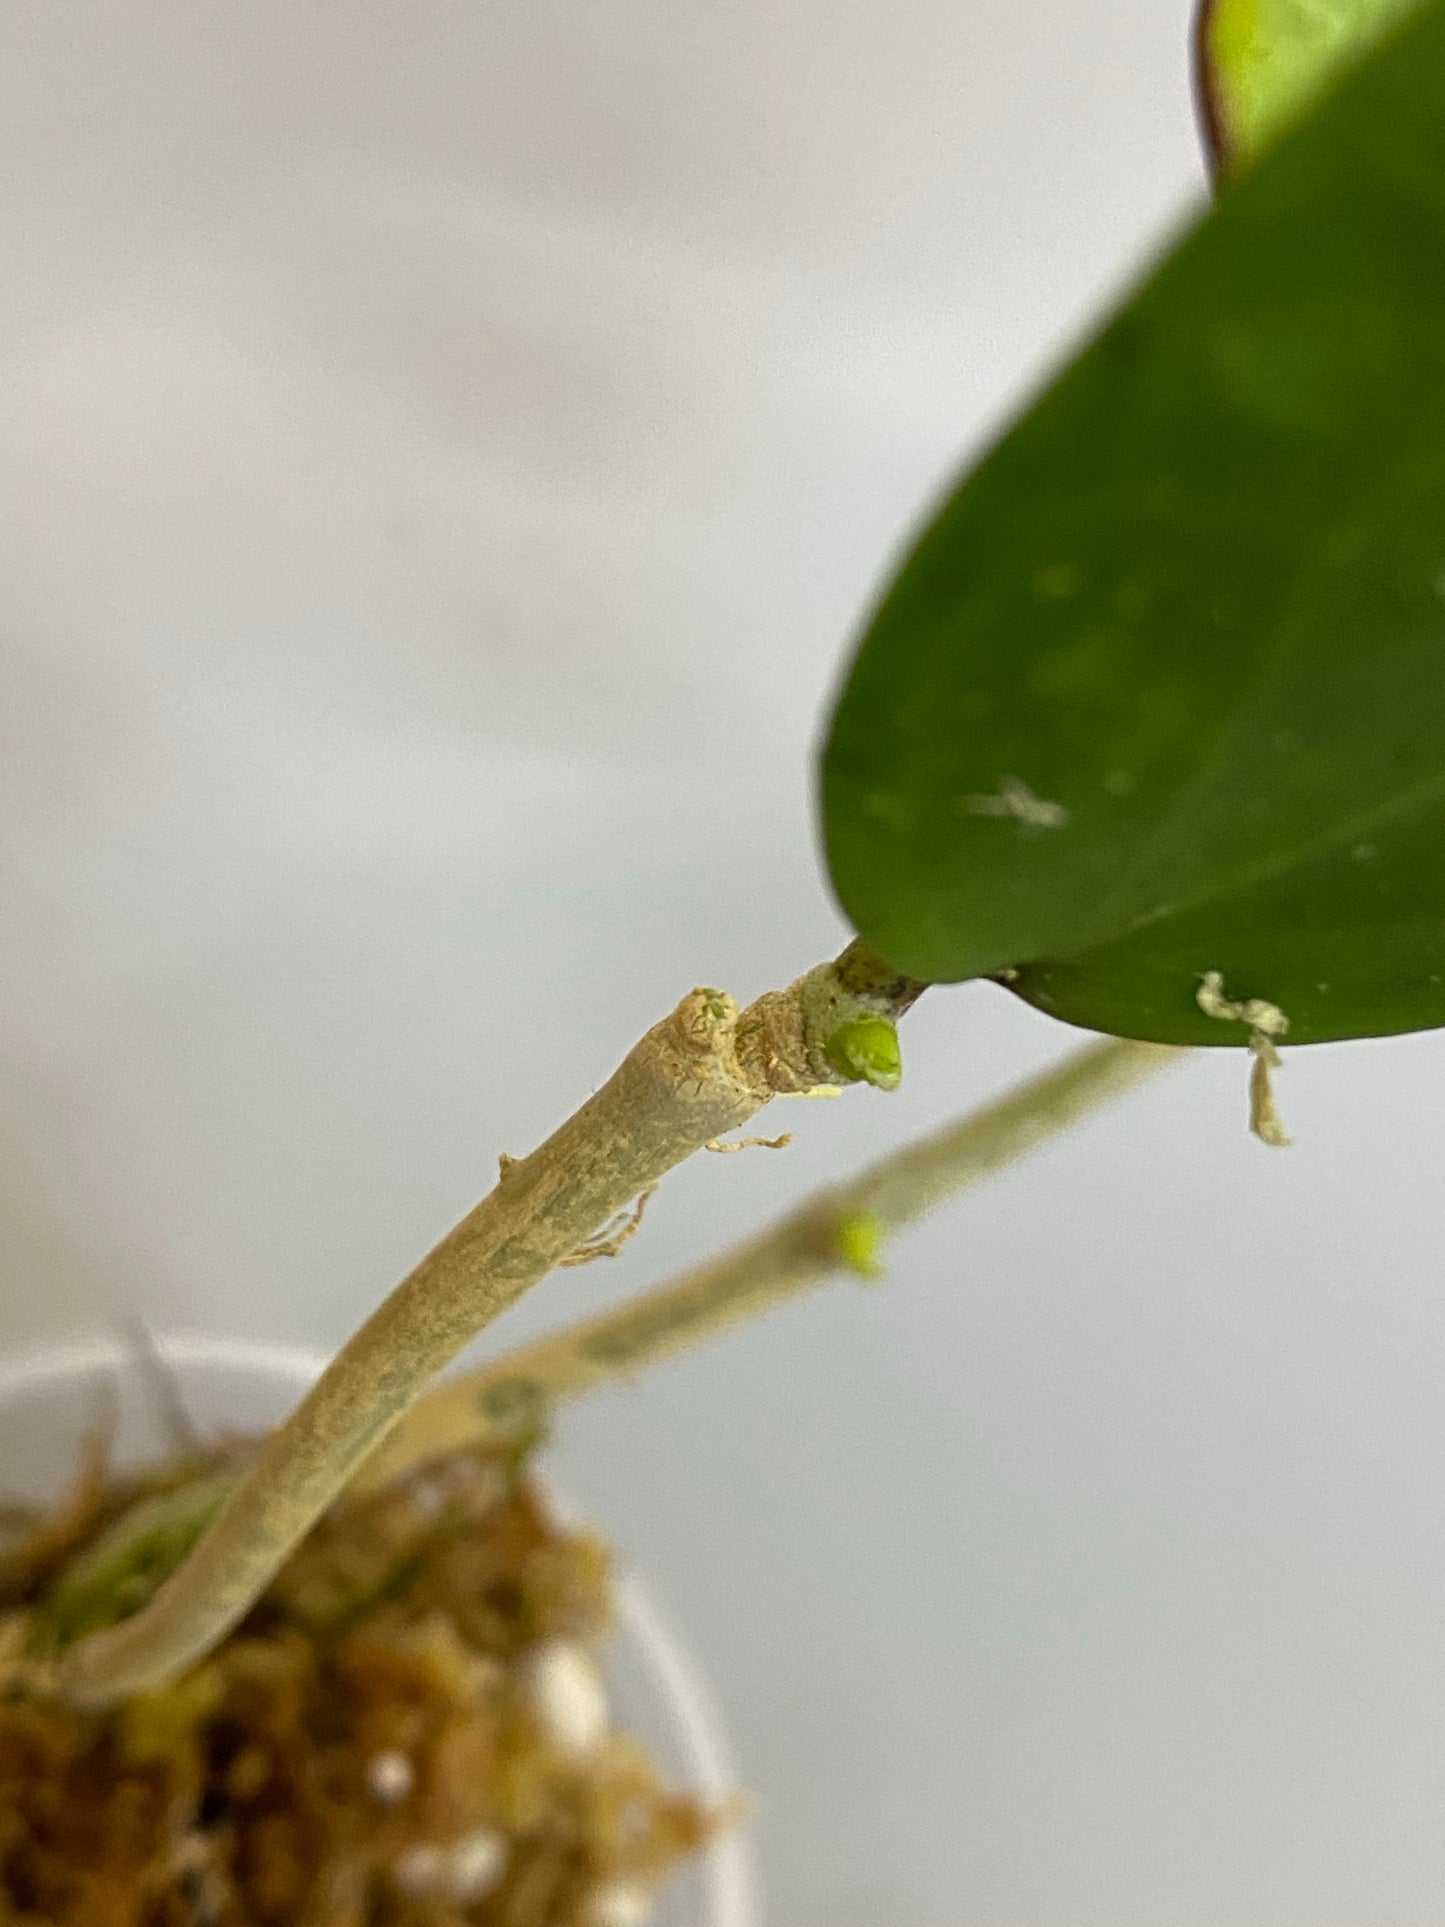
725 1870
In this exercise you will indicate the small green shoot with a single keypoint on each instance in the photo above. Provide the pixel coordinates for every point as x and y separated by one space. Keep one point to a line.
865 1050
860 1239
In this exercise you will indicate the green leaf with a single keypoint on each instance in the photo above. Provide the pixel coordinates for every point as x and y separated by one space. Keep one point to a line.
1161 690
1261 62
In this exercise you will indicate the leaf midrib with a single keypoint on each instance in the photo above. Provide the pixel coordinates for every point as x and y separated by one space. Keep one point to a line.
1417 797
1290 638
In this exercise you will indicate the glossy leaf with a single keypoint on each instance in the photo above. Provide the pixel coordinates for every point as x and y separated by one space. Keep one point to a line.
1261 62
1161 690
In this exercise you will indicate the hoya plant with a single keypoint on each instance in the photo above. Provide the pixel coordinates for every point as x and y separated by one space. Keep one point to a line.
1148 729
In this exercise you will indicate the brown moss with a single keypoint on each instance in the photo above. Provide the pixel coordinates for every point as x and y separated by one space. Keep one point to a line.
332 1764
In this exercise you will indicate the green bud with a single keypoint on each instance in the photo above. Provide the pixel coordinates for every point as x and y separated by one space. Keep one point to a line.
865 1050
860 1235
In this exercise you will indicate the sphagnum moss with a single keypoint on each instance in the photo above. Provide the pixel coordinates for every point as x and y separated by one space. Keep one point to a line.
372 1747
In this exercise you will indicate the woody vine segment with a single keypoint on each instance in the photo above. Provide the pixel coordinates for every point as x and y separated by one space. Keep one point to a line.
706 1069
511 1398
840 1229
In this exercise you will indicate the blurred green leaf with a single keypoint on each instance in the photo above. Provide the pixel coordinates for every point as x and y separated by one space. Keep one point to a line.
1261 62
1161 690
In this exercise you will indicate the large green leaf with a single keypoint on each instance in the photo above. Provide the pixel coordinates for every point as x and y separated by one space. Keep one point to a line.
1261 62
1161 690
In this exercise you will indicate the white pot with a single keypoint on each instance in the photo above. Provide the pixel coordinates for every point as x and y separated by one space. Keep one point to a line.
49 1400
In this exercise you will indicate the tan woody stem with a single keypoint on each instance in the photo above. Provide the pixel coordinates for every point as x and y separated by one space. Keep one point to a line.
841 1228
704 1070
836 1230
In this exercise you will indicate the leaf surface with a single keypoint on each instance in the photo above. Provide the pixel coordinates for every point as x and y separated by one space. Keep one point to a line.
1161 689
1261 62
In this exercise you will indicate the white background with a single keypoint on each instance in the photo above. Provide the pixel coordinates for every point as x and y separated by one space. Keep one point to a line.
443 451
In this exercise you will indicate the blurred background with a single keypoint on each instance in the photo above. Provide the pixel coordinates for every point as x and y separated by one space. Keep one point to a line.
444 450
